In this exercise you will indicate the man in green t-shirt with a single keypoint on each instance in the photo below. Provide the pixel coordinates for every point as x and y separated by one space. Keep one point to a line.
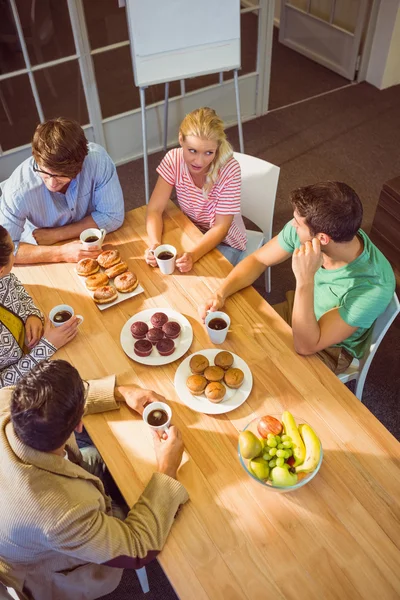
343 282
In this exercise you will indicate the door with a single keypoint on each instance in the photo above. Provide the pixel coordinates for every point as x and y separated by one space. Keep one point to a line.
327 31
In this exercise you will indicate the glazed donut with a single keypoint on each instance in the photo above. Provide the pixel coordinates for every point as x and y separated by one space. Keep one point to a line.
116 270
95 281
108 258
105 294
126 282
87 266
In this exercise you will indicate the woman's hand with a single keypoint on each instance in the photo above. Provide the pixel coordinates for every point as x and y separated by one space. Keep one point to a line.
59 336
33 331
185 262
149 255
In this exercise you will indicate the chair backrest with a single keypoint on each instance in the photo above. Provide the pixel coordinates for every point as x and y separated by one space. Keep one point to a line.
259 185
381 325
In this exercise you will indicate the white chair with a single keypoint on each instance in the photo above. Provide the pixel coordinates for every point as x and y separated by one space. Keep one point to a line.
259 185
358 369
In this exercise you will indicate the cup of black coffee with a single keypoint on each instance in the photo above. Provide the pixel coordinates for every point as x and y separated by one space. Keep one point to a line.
92 239
217 324
61 314
157 415
165 256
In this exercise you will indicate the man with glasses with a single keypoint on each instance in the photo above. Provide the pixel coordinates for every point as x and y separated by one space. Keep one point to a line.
67 186
59 535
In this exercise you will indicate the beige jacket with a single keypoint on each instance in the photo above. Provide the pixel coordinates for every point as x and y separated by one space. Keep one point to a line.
56 527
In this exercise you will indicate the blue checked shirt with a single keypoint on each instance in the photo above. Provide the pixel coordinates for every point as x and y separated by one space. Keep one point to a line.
26 203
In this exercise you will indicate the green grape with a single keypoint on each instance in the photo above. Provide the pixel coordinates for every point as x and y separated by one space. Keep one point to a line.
270 436
272 463
271 443
287 444
266 456
278 439
287 455
272 451
281 453
280 446
280 462
289 452
286 438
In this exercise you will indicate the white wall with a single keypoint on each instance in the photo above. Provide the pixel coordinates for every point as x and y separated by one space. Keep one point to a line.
391 75
384 63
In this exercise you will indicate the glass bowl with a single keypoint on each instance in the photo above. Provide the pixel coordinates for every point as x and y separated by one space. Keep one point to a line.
306 477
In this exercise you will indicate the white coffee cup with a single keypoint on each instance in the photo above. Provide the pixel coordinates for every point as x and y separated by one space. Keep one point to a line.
166 266
217 336
157 406
96 244
63 308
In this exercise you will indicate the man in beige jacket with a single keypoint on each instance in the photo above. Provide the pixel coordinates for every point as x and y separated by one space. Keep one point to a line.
58 536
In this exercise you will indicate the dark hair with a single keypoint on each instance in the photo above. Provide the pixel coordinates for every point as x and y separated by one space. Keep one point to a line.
329 207
5 247
47 404
61 146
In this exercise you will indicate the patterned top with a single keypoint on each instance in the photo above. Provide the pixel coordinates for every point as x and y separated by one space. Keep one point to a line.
13 362
223 198
27 204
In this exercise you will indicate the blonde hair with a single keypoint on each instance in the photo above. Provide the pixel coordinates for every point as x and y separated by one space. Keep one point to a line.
205 123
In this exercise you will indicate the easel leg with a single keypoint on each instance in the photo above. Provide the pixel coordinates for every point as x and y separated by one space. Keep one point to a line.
239 116
166 115
144 137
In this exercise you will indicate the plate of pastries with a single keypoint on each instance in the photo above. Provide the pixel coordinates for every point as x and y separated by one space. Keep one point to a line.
213 381
108 279
156 336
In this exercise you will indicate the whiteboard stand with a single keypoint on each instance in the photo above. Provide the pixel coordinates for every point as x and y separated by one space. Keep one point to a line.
144 136
239 118
166 115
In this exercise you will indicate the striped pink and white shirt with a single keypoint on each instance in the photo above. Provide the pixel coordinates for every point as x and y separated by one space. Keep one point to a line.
223 198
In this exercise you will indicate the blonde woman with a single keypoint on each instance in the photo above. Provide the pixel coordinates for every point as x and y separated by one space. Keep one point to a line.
206 178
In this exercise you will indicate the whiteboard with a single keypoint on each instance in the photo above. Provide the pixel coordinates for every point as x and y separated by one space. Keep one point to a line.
177 39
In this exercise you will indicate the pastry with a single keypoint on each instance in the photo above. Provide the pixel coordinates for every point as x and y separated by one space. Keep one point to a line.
234 378
224 360
95 281
158 319
196 384
214 373
172 329
143 348
215 391
198 363
139 330
104 294
126 282
108 258
87 266
165 347
155 335
117 269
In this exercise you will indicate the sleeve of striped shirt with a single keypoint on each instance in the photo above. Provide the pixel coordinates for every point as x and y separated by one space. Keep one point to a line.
168 167
229 185
108 199
11 216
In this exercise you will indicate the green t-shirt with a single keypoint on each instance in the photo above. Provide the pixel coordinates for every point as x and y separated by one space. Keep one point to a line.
362 289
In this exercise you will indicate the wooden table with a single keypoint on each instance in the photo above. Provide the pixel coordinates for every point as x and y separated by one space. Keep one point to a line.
337 537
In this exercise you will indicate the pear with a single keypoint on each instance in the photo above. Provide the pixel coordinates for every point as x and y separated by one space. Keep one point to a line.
249 445
259 467
282 476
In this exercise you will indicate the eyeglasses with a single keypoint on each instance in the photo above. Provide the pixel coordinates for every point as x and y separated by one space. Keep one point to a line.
49 175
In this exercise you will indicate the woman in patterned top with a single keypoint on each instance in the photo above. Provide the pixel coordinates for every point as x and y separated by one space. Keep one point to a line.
23 342
207 181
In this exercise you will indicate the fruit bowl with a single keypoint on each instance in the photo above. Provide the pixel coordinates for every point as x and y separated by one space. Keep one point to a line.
302 478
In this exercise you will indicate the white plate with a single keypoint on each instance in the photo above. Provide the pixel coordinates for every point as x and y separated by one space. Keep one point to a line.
121 297
182 343
233 398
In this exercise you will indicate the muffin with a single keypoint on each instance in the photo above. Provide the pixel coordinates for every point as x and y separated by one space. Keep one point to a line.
158 319
139 330
215 391
165 347
234 378
224 360
154 335
196 384
214 373
143 348
198 364
172 329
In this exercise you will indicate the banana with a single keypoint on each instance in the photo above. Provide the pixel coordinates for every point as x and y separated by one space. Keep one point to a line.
299 451
313 449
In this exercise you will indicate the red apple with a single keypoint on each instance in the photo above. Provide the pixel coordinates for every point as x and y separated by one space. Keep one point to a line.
268 425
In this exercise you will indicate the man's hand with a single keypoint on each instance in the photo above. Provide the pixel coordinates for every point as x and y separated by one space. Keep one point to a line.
74 251
59 336
33 331
149 255
306 261
185 262
46 236
136 397
169 452
212 304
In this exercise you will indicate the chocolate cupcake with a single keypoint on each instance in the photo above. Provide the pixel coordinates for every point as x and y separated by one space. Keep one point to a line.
165 347
143 348
172 329
155 335
139 330
158 319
